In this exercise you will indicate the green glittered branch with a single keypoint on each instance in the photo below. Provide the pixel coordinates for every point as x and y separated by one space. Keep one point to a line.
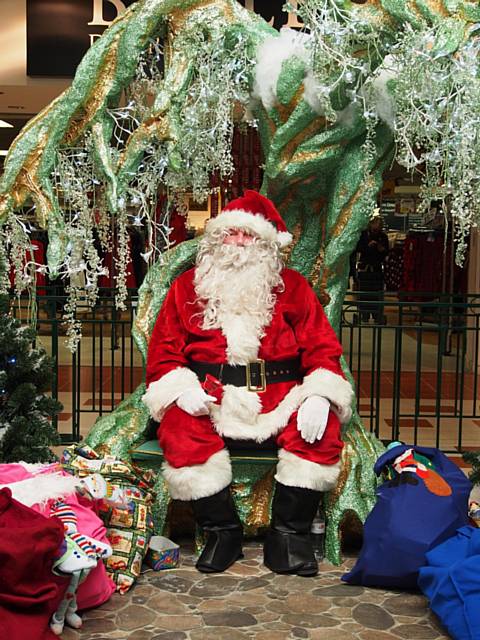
350 206
161 123
431 12
101 131
82 117
32 155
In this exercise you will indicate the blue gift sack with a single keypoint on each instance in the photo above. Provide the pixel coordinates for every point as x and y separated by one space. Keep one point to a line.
423 504
451 582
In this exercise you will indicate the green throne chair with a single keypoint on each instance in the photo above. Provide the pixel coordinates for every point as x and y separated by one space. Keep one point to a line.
126 433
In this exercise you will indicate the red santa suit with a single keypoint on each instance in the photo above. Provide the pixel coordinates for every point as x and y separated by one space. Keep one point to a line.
196 461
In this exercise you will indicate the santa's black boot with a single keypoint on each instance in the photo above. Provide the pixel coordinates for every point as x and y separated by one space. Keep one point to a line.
288 548
218 518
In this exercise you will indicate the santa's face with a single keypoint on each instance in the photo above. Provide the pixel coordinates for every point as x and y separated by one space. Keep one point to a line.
237 276
238 237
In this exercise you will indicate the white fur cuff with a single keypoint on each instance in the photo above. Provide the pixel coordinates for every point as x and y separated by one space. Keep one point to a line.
294 471
199 480
161 393
332 386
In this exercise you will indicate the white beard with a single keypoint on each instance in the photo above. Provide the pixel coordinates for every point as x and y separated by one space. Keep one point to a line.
236 288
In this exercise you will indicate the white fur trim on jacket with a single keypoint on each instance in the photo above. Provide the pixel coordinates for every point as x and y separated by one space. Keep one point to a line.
323 382
161 393
199 480
294 471
253 222
239 415
42 488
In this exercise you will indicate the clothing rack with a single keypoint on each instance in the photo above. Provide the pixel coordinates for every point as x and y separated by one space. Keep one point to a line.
423 230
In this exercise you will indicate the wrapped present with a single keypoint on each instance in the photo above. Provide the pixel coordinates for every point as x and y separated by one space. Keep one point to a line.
162 553
125 509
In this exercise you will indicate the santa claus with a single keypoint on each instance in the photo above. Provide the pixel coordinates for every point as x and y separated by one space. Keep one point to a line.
242 349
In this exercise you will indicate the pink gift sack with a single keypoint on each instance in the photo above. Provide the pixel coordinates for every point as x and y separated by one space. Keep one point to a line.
50 481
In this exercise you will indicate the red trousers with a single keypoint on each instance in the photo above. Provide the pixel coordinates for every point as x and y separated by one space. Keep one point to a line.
187 440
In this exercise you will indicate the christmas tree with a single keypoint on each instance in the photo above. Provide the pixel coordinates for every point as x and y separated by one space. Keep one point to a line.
26 429
473 458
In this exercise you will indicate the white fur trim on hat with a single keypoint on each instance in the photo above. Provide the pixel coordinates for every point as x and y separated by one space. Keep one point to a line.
294 471
284 238
162 392
199 480
253 222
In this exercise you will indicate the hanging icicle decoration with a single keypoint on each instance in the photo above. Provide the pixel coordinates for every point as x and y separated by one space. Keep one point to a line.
75 181
221 66
437 97
417 71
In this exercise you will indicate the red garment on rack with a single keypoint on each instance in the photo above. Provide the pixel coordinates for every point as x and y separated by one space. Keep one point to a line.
393 269
247 160
179 229
422 264
409 253
29 591
429 271
177 222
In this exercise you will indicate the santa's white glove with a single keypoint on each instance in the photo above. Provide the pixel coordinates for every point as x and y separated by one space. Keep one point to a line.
195 402
312 418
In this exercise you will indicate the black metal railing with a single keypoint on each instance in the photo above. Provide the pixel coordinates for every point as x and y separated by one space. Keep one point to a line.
416 364
105 368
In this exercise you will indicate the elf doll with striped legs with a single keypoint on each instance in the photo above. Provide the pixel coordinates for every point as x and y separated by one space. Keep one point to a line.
78 554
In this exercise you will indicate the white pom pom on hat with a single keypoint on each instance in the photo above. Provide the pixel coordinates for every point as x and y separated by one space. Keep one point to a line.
254 213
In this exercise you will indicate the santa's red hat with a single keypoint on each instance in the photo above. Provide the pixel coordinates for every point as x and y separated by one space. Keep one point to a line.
254 213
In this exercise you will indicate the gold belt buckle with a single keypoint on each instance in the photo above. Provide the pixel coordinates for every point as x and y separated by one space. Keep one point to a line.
263 378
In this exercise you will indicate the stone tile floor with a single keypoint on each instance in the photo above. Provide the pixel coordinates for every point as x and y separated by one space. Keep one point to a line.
248 601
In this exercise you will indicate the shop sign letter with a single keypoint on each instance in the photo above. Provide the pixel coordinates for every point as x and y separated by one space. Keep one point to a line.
98 19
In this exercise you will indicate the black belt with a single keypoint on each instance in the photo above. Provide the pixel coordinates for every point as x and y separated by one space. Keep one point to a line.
255 375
